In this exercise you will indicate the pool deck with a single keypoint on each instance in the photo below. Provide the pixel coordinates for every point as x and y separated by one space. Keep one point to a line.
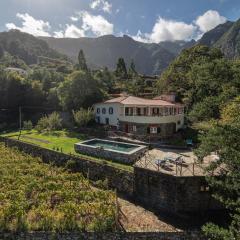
189 167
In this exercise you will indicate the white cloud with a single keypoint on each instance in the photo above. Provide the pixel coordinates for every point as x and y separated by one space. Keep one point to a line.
31 25
71 31
171 30
96 23
167 30
74 19
59 34
209 20
102 5
141 37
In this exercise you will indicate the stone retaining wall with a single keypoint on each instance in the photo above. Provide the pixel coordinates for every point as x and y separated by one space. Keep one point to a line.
118 179
173 194
103 236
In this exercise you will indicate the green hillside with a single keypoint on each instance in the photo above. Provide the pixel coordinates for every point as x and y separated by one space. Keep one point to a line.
27 47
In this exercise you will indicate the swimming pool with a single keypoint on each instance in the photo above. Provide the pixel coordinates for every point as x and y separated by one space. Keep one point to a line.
113 150
112 145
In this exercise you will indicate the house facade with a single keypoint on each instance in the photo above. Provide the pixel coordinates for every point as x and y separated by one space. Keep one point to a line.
141 116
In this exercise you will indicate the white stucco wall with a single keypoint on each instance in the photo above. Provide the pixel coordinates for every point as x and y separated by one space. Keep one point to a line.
118 115
113 118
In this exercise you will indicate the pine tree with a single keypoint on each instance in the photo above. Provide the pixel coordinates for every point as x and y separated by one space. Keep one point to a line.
132 70
121 70
82 61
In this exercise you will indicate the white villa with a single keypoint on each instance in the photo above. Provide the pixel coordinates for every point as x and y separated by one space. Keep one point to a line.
160 116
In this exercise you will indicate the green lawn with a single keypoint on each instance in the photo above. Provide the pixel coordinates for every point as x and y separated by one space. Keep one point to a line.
61 141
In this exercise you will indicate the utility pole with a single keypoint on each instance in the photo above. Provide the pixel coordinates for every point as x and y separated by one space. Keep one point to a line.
20 122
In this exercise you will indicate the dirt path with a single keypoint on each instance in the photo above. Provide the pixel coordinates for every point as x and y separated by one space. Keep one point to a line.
137 219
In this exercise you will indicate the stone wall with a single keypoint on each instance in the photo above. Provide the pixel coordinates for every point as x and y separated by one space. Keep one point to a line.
118 179
103 236
173 194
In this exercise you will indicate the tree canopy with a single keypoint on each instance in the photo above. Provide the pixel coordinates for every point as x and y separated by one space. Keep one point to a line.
78 90
224 138
203 80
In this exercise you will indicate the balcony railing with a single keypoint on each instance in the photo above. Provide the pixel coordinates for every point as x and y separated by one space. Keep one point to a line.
153 115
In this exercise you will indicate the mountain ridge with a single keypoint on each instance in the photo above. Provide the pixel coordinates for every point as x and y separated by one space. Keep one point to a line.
104 51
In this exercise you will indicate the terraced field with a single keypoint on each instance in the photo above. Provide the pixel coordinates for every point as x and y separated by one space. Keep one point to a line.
39 197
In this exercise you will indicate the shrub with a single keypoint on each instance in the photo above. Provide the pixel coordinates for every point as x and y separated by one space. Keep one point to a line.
54 121
42 124
82 117
27 125
50 123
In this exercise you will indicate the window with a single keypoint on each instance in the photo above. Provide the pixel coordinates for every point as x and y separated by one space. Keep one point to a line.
145 111
98 110
153 130
107 121
110 110
139 111
104 111
166 111
175 111
128 111
179 122
155 111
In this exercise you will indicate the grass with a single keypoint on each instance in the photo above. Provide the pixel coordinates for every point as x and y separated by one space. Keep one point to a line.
61 141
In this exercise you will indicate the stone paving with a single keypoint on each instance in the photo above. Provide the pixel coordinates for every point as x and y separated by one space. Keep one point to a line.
190 166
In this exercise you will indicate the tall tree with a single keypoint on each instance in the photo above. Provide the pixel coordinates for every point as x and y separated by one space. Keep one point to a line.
79 89
224 139
82 61
121 70
132 69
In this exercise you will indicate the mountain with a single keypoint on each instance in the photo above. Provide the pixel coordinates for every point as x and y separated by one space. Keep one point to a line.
104 51
225 37
211 37
229 43
27 47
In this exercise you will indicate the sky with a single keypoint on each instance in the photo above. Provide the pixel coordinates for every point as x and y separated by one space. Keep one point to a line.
143 20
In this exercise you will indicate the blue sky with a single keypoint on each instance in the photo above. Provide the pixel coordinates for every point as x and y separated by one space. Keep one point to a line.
144 20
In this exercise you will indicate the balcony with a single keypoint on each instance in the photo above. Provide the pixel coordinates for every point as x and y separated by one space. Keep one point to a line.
151 119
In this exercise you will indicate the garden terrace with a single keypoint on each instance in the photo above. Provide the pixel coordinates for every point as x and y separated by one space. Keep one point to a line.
62 141
39 197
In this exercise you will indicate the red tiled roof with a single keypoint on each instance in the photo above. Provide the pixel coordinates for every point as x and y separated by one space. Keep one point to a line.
130 100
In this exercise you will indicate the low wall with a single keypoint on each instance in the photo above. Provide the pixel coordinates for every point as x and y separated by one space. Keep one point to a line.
121 157
104 236
118 179
173 194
